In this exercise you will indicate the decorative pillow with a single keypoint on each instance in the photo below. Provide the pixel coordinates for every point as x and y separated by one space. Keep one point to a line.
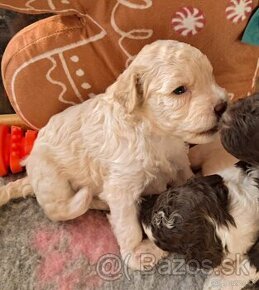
67 58
10 23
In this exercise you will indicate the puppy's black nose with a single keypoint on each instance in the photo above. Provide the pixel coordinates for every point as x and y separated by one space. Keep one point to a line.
220 109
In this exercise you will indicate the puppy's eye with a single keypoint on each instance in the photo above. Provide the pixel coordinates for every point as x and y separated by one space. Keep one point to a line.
180 90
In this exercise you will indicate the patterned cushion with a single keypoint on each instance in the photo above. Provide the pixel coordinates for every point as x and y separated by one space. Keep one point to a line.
69 57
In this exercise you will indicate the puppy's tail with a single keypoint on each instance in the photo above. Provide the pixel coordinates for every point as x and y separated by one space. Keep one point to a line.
15 189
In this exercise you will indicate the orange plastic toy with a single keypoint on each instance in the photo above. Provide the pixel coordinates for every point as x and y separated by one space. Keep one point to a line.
15 144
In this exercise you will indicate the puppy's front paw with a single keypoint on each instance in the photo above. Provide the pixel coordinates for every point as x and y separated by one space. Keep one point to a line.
144 257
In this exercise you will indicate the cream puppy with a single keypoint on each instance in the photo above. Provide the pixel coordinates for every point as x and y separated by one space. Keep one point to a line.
129 140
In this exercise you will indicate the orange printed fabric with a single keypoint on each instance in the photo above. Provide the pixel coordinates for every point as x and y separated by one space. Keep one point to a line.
65 59
45 6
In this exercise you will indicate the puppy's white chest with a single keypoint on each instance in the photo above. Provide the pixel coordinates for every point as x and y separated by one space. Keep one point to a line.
169 158
170 148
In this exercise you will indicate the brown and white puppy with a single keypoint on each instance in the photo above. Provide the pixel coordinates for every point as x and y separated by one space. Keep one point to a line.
126 141
216 218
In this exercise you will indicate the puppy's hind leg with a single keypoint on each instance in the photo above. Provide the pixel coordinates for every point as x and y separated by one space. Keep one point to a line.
61 209
56 196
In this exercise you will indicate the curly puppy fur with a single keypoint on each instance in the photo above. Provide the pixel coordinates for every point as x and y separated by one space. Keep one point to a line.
129 140
240 130
178 223
214 219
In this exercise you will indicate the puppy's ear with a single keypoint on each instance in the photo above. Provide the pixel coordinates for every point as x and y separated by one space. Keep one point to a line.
217 183
208 249
212 180
128 90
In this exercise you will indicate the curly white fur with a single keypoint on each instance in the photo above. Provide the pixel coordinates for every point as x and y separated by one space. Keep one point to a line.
127 141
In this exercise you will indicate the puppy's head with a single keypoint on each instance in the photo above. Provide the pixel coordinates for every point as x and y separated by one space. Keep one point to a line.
240 129
183 219
171 83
